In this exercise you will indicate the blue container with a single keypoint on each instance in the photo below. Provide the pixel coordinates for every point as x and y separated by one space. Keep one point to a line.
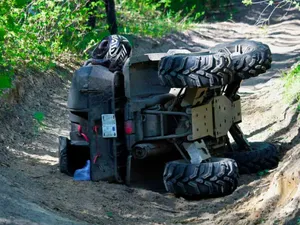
83 174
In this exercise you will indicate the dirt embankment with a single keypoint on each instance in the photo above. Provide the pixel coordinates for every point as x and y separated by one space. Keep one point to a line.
34 192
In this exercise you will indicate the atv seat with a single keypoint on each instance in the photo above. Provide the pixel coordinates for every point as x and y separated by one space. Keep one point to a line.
153 100
142 85
141 77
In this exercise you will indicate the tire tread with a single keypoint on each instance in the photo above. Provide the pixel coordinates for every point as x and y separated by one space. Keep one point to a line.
195 71
204 180
260 158
250 58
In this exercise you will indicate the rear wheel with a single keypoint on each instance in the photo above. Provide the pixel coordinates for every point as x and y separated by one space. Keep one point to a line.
250 58
263 156
200 70
71 156
209 179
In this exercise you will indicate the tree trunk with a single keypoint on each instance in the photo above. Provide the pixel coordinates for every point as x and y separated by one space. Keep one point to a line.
92 19
111 17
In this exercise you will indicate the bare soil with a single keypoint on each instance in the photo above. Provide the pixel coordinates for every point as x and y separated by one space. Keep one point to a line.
33 191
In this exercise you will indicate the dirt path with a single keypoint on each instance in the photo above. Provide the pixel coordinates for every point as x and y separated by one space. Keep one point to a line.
34 192
282 38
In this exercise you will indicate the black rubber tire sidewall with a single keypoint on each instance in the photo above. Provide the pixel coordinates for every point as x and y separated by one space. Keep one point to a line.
250 58
64 161
208 179
202 70
263 156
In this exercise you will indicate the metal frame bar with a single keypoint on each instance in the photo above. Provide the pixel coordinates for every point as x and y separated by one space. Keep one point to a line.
161 114
235 131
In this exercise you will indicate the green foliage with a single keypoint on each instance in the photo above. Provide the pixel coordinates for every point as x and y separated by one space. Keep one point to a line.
5 82
247 2
197 9
158 17
109 214
39 117
150 18
292 84
36 33
262 173
260 221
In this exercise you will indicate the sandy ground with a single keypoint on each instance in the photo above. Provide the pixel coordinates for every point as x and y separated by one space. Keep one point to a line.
33 191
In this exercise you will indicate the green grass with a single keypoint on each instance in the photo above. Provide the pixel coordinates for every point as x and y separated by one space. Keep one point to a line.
292 85
146 20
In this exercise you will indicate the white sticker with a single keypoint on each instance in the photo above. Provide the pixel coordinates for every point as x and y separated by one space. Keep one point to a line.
109 126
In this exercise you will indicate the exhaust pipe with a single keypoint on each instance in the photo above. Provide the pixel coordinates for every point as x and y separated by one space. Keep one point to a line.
145 150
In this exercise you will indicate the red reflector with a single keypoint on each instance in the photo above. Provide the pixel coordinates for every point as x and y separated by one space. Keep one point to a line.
128 127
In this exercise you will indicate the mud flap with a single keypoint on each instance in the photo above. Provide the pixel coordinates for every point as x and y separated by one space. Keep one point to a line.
103 150
72 155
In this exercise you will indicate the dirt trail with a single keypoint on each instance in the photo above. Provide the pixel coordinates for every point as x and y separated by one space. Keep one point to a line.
283 39
34 192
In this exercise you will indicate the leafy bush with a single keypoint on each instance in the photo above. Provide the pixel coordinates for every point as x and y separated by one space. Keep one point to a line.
36 33
149 18
155 17
197 9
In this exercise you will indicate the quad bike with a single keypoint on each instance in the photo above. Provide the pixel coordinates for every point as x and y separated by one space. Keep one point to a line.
164 104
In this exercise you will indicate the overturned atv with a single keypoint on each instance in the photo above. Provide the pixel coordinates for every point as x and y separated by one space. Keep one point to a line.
164 104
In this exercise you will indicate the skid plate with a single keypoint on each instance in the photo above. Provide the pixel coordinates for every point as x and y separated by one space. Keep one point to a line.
202 121
215 118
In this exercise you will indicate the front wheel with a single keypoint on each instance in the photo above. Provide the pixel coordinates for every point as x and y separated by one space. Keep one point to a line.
208 179
200 70
249 58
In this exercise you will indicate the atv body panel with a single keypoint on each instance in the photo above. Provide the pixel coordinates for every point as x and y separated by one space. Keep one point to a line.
93 94
143 90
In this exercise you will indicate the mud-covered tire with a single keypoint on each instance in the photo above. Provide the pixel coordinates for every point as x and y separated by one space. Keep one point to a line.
208 179
64 161
200 70
249 58
262 156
